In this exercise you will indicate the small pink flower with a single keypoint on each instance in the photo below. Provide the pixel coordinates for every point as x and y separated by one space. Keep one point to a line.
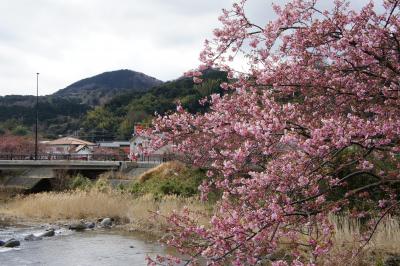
224 86
179 108
382 203
197 80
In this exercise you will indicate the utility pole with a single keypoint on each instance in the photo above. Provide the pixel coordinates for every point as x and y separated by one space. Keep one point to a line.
37 116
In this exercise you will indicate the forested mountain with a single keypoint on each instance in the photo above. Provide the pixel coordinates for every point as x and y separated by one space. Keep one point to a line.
105 106
101 88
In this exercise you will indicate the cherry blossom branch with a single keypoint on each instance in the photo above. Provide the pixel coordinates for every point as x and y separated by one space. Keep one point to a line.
376 227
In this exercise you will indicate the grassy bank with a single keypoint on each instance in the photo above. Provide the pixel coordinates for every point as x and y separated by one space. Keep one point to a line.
134 213
164 189
171 187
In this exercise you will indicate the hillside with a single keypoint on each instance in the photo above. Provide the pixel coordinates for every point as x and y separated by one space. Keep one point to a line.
62 112
57 115
116 119
101 88
104 114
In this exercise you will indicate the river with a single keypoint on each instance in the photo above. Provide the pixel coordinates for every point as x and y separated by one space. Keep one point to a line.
91 247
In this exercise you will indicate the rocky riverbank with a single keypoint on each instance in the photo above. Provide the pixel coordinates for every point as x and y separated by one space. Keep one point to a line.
126 213
51 230
56 244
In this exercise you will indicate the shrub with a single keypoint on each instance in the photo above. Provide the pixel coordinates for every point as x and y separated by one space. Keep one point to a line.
80 182
20 131
171 178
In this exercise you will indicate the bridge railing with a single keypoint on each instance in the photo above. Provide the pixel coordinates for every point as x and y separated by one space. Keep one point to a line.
52 156
91 157
159 158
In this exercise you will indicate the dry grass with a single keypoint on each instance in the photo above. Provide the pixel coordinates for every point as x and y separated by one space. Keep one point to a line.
385 241
135 213
164 170
69 205
146 207
114 175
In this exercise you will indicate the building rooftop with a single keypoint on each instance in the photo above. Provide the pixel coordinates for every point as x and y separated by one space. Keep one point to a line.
70 141
113 144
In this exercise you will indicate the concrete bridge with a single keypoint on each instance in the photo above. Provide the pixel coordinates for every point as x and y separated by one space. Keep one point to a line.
35 176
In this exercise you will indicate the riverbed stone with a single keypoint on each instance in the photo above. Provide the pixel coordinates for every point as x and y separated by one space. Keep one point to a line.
77 226
32 237
106 222
1 243
90 225
48 233
12 243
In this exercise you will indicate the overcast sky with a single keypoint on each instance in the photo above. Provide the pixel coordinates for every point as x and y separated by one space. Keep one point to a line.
67 40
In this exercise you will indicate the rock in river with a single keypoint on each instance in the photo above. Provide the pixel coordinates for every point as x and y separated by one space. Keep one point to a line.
106 222
11 243
90 225
32 237
1 243
77 226
48 233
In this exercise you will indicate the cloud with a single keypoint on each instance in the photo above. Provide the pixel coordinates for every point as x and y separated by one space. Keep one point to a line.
67 40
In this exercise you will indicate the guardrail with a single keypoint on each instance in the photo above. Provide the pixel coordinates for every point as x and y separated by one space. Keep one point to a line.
155 158
67 157
91 157
62 164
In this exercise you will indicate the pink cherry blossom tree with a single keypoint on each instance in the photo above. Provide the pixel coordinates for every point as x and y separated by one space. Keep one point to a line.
310 128
17 145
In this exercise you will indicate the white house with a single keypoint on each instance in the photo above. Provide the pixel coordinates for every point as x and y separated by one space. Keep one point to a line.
116 145
139 144
84 150
70 146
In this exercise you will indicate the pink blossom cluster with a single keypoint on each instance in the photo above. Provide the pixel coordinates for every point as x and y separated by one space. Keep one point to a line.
322 84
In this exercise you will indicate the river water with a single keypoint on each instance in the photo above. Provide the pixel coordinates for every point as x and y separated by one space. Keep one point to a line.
68 248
